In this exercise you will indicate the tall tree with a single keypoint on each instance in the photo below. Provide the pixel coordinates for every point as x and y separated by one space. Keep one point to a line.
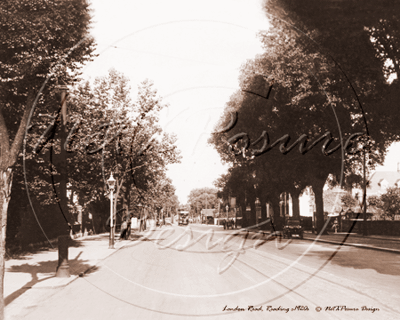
389 203
37 47
124 137
363 41
203 198
295 114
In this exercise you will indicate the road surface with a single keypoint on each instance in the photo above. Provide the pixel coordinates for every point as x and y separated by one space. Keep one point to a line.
204 272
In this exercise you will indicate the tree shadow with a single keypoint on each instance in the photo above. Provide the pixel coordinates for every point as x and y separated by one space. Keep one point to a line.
80 242
76 267
382 262
24 253
138 237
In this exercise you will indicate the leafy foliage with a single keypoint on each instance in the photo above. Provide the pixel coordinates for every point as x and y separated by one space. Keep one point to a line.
348 201
42 44
295 113
389 203
39 40
203 198
121 136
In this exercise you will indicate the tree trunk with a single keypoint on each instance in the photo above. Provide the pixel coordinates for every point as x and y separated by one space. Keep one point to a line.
240 201
243 214
277 223
319 206
5 196
296 204
8 157
263 201
251 199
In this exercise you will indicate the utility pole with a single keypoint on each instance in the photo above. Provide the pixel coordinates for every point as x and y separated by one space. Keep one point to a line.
365 230
63 239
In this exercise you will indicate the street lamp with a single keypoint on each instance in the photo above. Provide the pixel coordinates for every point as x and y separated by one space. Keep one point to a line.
111 186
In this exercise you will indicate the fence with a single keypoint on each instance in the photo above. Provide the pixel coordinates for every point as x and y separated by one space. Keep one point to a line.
374 227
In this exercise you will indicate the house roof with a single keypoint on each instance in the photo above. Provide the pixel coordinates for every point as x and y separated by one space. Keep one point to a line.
377 177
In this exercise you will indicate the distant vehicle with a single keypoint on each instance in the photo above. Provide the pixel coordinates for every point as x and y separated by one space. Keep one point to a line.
293 228
210 220
183 218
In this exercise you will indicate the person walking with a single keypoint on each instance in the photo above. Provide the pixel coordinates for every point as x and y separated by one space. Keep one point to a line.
335 225
129 225
124 229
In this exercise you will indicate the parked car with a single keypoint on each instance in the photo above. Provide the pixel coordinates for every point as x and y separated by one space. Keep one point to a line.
293 228
228 224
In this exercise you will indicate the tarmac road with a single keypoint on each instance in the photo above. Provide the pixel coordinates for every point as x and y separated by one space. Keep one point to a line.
153 278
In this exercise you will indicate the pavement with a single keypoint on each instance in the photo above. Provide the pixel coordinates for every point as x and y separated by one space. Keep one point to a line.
30 278
374 242
381 243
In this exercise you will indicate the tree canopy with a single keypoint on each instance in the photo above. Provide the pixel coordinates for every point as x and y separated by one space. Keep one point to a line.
115 134
203 198
42 44
297 122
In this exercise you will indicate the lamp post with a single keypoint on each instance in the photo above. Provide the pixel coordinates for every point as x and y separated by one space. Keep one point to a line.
111 185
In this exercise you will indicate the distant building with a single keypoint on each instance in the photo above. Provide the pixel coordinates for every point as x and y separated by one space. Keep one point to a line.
333 200
208 212
379 182
377 185
307 203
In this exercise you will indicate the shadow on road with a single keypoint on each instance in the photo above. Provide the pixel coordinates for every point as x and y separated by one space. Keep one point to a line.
381 262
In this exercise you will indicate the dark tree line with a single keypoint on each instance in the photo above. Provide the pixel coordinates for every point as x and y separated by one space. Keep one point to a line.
302 120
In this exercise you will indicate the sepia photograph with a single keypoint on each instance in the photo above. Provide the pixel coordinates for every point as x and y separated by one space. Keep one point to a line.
210 160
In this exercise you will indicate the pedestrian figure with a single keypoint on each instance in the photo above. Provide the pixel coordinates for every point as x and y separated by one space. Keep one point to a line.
128 229
124 228
335 225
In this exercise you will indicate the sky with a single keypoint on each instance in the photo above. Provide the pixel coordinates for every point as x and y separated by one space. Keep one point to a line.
392 158
193 52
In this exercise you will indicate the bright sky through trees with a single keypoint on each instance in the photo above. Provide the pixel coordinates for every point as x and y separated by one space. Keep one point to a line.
193 51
